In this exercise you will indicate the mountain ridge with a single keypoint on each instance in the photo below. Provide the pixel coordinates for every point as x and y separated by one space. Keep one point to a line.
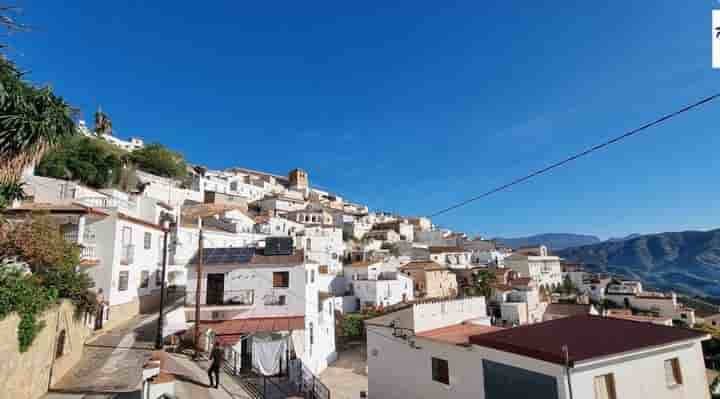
554 241
686 260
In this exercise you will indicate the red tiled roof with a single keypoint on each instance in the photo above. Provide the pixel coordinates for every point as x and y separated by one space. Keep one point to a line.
586 337
457 334
423 265
230 331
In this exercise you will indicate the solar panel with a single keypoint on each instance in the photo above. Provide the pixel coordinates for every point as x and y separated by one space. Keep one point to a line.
219 256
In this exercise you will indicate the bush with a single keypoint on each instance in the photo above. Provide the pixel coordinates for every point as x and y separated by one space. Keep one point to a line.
159 160
52 261
90 161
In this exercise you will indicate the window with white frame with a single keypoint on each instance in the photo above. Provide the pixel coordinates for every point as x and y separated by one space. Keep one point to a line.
147 240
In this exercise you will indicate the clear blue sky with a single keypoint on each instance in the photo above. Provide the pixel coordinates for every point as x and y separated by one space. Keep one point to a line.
413 106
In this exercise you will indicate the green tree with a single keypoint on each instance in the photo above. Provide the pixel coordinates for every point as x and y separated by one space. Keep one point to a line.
568 287
159 160
483 283
90 161
38 243
32 120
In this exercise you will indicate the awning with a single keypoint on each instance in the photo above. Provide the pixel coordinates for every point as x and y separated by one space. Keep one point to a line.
229 332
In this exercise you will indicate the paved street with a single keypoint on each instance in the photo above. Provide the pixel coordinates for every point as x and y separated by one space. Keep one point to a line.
112 362
347 376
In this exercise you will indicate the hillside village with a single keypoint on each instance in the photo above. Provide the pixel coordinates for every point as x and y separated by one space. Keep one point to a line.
263 263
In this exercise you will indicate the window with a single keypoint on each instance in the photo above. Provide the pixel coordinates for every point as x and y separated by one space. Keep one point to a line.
144 279
308 245
126 236
605 387
312 339
281 300
281 279
60 346
158 278
123 281
673 376
312 275
440 371
148 240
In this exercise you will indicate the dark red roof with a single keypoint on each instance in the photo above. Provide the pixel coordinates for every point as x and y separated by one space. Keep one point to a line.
587 337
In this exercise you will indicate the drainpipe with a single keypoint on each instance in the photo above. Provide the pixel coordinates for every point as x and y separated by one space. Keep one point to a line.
568 366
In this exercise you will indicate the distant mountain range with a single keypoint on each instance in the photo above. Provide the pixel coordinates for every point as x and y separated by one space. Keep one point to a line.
554 241
687 261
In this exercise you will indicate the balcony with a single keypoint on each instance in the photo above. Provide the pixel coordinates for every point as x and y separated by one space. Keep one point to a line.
87 252
127 255
107 203
221 298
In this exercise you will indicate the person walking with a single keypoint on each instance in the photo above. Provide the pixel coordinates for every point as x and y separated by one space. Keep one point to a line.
216 358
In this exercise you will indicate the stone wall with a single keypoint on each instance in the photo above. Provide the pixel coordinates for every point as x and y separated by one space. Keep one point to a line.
119 314
28 375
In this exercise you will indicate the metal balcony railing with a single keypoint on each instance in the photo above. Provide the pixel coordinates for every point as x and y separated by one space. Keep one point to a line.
107 203
221 298
127 255
88 252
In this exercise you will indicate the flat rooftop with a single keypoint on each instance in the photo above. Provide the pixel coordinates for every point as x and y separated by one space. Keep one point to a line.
458 334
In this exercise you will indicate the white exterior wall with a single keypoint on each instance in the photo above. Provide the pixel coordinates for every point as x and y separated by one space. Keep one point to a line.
432 315
644 375
259 280
391 377
321 316
148 260
383 292
544 270
637 375
323 246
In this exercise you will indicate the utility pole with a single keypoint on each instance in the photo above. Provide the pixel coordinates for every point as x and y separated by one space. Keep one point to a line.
198 287
161 316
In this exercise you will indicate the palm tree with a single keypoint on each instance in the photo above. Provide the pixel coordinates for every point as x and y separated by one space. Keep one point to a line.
32 120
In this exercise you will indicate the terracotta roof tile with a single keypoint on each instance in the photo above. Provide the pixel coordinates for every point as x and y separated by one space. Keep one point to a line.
457 334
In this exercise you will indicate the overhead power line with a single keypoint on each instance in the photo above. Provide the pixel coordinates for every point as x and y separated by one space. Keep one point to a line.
579 155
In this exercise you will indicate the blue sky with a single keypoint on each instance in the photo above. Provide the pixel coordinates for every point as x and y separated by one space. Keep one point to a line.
413 105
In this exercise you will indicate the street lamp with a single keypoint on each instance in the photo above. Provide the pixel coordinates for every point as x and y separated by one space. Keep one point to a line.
161 316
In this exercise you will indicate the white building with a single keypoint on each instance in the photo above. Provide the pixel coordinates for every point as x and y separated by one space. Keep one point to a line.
378 285
537 264
630 294
322 245
122 253
166 190
247 293
452 257
588 357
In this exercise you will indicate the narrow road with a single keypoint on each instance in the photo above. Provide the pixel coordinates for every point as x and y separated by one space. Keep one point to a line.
111 363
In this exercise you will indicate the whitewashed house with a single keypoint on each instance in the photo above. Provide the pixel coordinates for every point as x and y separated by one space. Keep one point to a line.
323 245
452 257
588 357
537 264
630 294
120 251
248 293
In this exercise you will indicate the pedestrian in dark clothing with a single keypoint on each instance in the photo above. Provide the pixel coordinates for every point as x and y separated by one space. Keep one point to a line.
216 358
